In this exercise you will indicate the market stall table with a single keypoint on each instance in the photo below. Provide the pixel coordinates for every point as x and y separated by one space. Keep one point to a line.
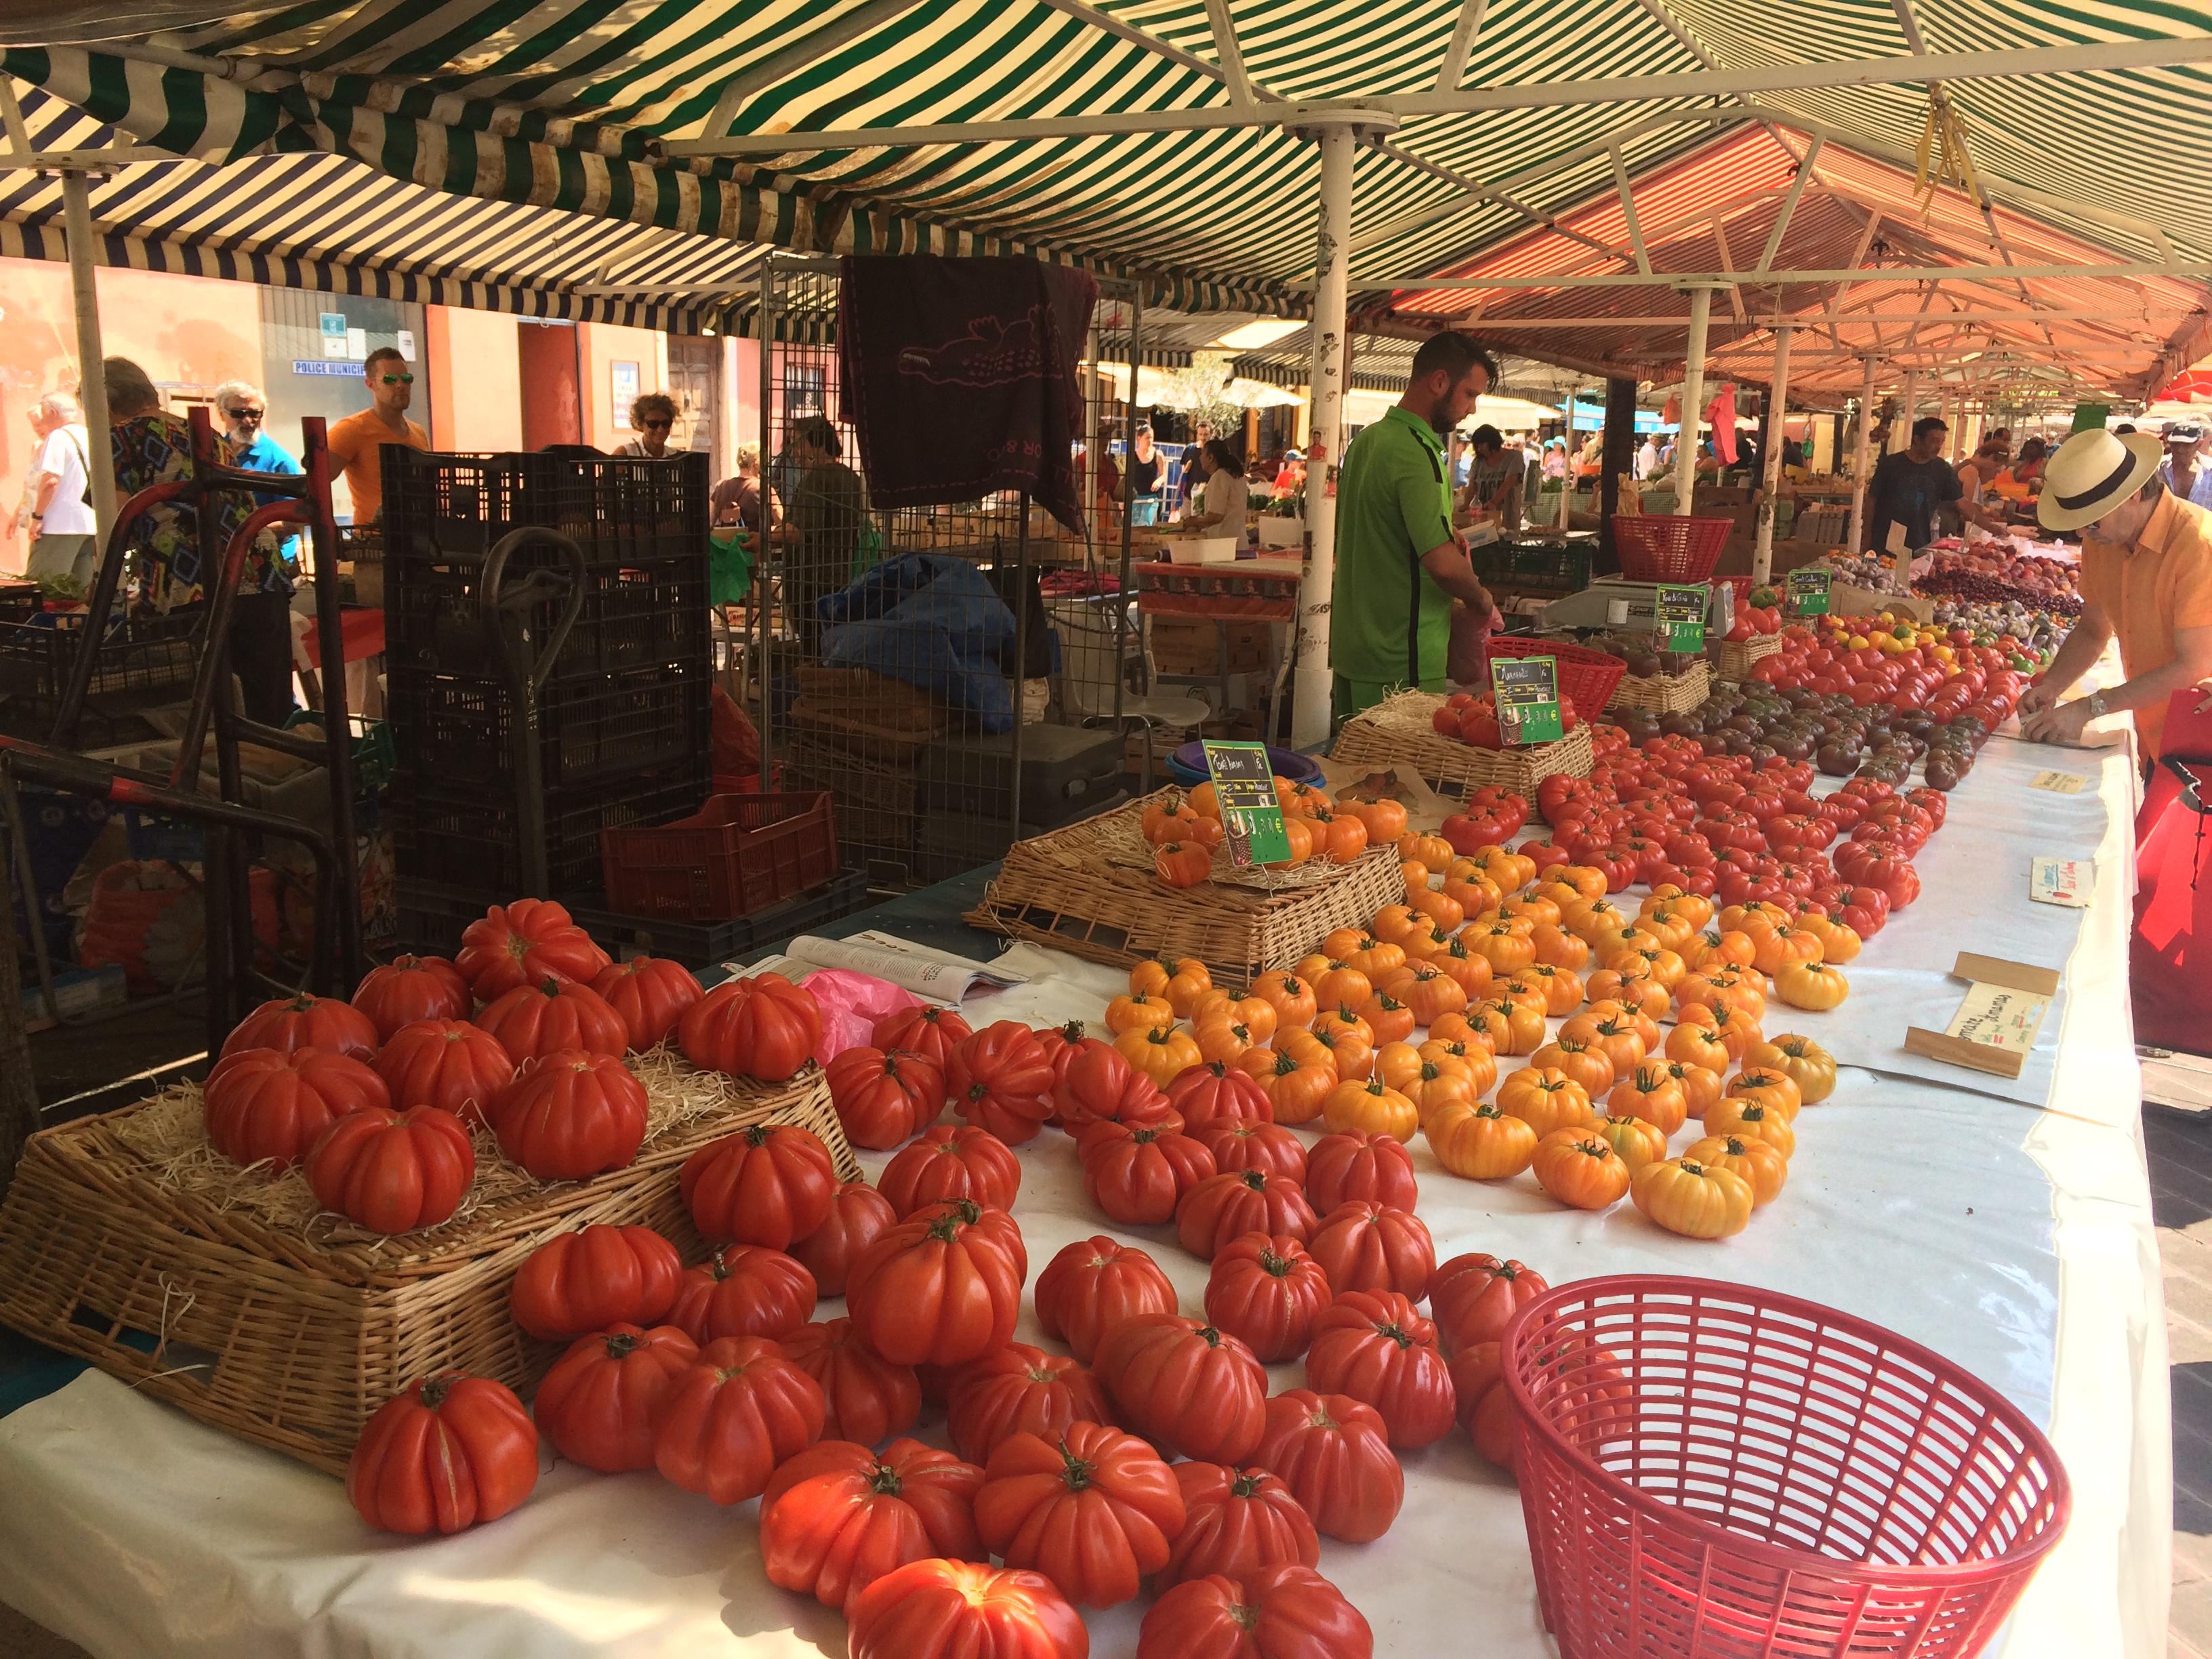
2015 1241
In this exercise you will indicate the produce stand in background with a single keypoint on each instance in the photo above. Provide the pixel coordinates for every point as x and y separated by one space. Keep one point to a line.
1401 731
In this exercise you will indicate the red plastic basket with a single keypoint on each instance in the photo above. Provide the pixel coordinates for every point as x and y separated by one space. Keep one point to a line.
1664 548
1587 676
738 855
1706 1469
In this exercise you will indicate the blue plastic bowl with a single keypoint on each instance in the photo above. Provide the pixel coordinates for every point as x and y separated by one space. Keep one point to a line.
1186 766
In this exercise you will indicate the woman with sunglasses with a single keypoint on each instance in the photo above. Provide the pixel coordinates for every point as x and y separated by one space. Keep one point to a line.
357 441
653 417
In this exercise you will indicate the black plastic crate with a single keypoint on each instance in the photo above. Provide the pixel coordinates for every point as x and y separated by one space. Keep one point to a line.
141 652
653 614
450 727
452 508
454 834
702 943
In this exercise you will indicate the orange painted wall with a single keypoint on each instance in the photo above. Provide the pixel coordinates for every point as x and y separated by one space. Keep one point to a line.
601 345
183 330
476 400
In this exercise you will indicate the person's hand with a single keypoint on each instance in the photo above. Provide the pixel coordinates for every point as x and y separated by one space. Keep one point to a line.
2204 698
2061 725
2036 699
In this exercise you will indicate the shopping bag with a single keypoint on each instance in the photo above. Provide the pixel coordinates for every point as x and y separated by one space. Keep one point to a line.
2170 956
730 566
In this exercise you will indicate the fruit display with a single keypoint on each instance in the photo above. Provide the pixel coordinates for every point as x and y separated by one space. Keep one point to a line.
1999 572
1188 837
1472 719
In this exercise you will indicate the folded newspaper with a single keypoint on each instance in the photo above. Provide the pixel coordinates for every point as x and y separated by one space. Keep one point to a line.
939 975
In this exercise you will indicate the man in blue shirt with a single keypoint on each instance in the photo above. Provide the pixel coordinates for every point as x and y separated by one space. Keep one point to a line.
2183 470
244 411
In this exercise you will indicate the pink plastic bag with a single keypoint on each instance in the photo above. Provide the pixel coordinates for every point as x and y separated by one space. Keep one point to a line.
851 1005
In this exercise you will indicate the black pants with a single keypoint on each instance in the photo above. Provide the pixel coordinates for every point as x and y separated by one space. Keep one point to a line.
261 656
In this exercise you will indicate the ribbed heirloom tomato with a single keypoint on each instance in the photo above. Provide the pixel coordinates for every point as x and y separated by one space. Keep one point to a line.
1335 1455
1349 1165
392 1172
767 1184
951 1160
445 1453
1237 1521
263 1105
553 1014
942 1287
1019 1389
408 988
1375 1347
520 944
586 1281
932 1033
446 1063
1473 1296
1266 1292
1093 1510
1230 1202
726 1422
837 1516
1216 1091
1092 1285
570 1116
1580 1168
859 1215
1192 1389
1137 1176
1286 1611
1098 1085
1243 1143
942 1609
1365 1246
1001 1079
761 1027
883 1100
304 1022
1477 1142
742 1290
600 1402
867 1398
651 994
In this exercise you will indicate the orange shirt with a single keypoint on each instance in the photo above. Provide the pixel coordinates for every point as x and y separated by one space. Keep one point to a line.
357 444
2163 583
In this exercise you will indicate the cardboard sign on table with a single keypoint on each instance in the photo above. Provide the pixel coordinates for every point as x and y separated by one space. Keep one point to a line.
1997 1019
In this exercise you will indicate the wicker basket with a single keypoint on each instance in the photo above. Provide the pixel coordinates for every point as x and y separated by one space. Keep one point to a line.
1665 694
1398 733
1732 658
1089 890
290 1337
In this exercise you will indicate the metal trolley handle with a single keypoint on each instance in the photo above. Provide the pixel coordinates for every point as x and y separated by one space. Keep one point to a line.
506 619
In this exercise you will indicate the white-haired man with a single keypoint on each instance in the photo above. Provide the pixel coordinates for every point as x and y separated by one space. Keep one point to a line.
243 408
58 498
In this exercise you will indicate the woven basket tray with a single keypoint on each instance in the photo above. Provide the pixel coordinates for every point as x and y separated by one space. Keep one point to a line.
1732 658
1397 732
1089 890
1664 694
252 1312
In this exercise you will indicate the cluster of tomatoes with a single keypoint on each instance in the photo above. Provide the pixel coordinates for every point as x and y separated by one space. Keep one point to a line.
1728 827
1473 719
1185 830
1897 664
1758 615
522 1033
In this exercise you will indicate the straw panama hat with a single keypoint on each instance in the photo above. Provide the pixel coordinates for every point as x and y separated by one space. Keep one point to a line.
2091 473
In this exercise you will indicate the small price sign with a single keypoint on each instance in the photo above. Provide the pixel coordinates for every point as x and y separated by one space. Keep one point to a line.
1808 592
1527 692
1251 814
1679 618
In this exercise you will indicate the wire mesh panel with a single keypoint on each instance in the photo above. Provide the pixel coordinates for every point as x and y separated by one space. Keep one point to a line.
907 662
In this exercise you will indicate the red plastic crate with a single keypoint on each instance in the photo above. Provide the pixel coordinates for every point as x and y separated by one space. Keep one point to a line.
738 855
1664 548
1710 1470
1587 676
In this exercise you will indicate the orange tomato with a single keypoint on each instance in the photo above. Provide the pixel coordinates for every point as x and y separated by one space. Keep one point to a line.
1428 991
1840 942
1415 876
1370 1107
1580 1168
1385 819
1300 836
1667 923
1561 949
1771 1086
1289 996
1783 945
1700 1087
1521 989
1349 1043
1635 1141
1651 1093
1592 921
1179 980
1337 837
1549 1099
1432 850
1630 987
1583 880
1295 1088
1373 958
1255 1012
1506 947
1542 911
1760 1164
1342 987
1606 1026
1222 1039
1181 863
1477 1142
1751 1120
1447 909
1563 987
1389 1020
1458 1028
1397 923
1465 967
1139 1011
1578 1059
1158 1053
1699 1045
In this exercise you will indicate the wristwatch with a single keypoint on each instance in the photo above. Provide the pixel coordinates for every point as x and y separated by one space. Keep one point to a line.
2096 701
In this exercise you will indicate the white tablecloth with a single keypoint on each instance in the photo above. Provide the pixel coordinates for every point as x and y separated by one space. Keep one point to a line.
2018 1242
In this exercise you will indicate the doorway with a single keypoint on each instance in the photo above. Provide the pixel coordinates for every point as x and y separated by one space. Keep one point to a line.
695 373
552 392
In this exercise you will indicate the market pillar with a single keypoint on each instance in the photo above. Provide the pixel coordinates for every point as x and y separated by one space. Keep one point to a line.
92 379
1619 459
1693 398
1861 457
1777 407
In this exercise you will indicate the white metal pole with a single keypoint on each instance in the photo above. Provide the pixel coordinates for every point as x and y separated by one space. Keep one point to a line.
1309 716
1762 558
1861 460
1567 485
1901 437
1693 397
92 386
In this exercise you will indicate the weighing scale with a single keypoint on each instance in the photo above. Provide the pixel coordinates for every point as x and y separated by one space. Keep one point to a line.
1615 602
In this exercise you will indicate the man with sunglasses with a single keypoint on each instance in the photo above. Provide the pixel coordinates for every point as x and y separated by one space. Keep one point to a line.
357 441
653 417
243 409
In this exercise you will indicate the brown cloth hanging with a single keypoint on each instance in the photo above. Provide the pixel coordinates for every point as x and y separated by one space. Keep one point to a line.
959 377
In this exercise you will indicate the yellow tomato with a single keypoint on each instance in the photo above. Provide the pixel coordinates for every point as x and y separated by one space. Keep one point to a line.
1698 1200
1813 985
1756 1160
1370 1107
1475 1140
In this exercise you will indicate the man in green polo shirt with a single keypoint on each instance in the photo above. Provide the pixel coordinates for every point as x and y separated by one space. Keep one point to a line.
1400 564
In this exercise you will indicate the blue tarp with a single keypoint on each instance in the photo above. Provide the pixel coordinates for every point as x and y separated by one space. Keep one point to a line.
935 624
1589 417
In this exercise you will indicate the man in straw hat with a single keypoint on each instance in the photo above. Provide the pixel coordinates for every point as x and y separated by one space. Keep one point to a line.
2146 581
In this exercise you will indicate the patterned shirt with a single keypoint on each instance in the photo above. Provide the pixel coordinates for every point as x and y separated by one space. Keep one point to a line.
157 448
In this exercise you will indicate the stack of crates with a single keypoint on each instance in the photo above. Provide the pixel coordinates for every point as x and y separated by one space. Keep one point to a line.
624 717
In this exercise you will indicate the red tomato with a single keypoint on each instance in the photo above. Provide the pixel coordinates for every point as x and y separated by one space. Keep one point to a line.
1286 1611
1137 1176
1001 1079
521 944
392 1172
859 1215
883 1100
1364 1246
1243 1143
867 1397
570 1115
600 1402
1018 1389
1335 1455
1093 1510
1485 1409
305 1022
1471 1296
768 1184
1212 1092
838 1516
942 1609
932 1033
1094 1284
761 1027
941 1287
445 1453
1194 1390
742 1290
727 1422
448 1064
1470 832
1235 1521
651 994
1349 1164
951 1160
409 989
1098 1083
1266 1292
586 1281
263 1105
1375 1346
1232 1202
